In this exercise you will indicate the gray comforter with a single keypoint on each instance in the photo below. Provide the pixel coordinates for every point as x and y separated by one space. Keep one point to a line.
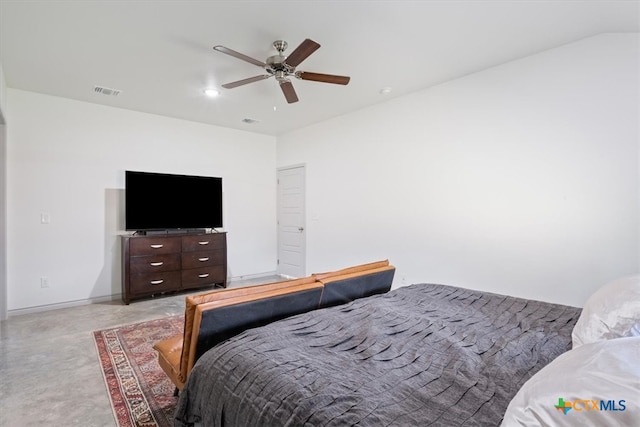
420 355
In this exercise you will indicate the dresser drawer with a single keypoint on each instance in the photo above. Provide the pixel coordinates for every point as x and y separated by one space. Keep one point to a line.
202 276
202 259
154 263
154 245
203 242
149 283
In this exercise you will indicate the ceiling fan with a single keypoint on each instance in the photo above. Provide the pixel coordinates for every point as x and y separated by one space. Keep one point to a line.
283 67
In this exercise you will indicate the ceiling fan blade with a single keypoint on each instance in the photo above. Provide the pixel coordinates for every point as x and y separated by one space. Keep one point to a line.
289 91
324 78
239 55
306 48
245 81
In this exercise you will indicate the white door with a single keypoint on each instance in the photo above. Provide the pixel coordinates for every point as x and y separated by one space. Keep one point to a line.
291 232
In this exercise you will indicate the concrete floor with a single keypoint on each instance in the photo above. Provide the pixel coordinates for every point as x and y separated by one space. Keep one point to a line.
49 369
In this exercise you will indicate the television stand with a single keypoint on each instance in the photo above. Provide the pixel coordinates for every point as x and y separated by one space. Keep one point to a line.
162 263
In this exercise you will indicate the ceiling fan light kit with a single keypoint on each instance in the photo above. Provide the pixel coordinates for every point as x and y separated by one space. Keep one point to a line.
282 67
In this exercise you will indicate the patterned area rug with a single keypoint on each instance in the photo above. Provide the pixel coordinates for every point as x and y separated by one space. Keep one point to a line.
141 394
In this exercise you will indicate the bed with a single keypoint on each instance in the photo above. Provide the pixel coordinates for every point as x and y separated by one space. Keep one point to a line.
419 355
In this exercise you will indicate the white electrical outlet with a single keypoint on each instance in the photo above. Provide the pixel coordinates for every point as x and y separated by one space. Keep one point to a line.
45 218
44 282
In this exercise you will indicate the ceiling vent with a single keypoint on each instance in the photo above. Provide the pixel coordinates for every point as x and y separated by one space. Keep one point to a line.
250 121
106 91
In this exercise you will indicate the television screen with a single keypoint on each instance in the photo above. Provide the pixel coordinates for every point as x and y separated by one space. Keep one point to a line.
156 201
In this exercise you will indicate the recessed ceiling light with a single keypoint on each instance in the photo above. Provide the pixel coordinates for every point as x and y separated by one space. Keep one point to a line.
212 92
385 91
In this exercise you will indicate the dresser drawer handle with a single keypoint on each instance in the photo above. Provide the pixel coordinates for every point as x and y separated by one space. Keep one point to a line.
156 264
204 243
156 282
202 276
156 246
203 259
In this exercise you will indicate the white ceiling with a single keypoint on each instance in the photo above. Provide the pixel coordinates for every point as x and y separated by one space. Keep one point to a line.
159 53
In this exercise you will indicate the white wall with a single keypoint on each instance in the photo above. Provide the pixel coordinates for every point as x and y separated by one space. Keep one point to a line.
3 94
520 179
3 198
68 158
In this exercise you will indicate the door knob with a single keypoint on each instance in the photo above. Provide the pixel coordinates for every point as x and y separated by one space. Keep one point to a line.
300 228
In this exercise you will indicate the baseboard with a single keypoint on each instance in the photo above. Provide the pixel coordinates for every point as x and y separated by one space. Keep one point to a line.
57 306
253 276
114 297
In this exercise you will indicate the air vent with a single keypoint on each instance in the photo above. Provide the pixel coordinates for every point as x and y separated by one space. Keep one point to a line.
106 91
250 121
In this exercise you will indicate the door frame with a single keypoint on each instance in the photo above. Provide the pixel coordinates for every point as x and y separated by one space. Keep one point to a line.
302 166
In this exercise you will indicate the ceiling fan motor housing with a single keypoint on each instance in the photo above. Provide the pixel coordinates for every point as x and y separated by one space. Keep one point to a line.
276 62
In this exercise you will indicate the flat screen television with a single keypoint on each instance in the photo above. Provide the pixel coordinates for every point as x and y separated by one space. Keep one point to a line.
159 201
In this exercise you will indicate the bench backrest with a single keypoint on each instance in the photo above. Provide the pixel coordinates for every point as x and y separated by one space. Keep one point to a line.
344 288
191 302
219 320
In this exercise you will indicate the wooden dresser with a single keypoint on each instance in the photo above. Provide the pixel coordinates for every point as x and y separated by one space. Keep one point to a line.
172 262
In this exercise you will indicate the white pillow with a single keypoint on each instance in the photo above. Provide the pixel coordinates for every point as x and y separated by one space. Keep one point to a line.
605 371
613 311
